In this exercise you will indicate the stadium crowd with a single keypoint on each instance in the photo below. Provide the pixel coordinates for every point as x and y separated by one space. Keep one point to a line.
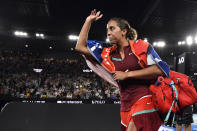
59 78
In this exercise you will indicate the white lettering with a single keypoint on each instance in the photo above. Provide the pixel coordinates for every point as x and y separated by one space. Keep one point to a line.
116 102
98 102
181 60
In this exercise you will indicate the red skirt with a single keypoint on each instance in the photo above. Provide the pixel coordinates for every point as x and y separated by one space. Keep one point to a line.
143 114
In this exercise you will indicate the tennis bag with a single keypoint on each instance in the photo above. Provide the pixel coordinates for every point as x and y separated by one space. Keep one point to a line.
173 93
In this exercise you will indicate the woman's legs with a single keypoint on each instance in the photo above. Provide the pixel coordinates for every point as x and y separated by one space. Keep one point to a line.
178 127
189 128
131 127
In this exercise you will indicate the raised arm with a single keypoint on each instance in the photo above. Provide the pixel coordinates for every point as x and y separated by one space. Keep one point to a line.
83 36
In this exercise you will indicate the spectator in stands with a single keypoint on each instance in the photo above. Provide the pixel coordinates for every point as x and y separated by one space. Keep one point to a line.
184 120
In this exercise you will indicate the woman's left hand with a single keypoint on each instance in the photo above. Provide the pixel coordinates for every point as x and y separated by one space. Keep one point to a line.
119 75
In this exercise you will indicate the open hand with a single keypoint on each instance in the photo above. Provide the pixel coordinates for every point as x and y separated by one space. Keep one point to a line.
94 16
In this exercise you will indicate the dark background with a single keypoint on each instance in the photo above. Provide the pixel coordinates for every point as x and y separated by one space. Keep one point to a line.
167 20
60 117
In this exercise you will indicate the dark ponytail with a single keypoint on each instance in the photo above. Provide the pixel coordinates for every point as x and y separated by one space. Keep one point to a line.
124 24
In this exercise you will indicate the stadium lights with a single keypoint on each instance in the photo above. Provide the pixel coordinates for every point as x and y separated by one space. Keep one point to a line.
39 35
159 44
189 40
195 39
26 45
181 43
20 33
107 40
145 39
155 44
73 37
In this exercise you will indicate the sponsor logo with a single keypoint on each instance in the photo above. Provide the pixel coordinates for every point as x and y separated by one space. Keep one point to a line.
98 102
181 60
